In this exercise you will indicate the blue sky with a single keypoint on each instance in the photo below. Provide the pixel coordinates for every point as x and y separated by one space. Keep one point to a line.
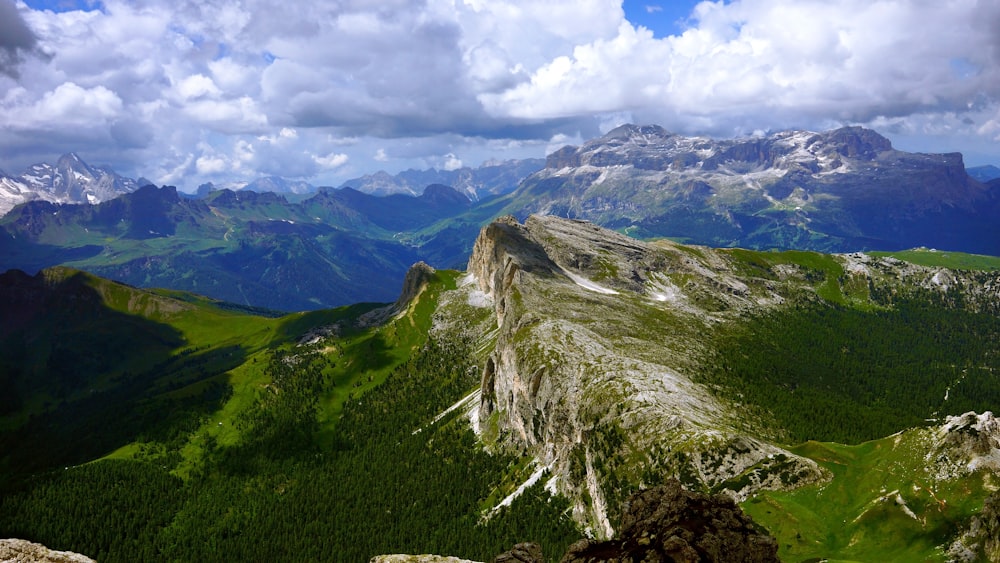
185 91
662 18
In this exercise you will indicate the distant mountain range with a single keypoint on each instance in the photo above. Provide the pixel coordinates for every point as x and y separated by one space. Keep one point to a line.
70 180
984 173
274 184
838 191
335 248
490 179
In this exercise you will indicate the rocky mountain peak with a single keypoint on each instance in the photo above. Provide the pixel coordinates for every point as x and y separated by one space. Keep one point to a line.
855 142
557 384
837 191
637 133
70 180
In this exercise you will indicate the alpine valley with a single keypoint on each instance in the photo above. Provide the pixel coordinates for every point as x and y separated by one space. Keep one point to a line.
562 380
840 191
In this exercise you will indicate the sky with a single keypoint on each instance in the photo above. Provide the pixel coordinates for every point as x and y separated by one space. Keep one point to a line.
183 92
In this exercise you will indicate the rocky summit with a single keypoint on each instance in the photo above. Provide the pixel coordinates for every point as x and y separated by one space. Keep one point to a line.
70 180
842 190
599 343
669 524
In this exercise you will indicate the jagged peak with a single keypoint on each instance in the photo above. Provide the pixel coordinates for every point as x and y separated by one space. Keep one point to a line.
632 131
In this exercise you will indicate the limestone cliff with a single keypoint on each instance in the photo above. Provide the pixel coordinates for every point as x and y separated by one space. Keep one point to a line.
21 551
591 363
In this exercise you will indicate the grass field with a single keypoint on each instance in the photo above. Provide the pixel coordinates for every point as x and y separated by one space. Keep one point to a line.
880 505
944 259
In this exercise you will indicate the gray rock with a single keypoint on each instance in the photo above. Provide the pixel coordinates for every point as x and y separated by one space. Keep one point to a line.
22 551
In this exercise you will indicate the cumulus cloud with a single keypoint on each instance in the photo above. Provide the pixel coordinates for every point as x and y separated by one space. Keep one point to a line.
774 63
189 90
332 160
16 39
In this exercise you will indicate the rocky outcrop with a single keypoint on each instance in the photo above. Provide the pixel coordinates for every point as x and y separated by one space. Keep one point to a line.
981 541
415 281
609 407
521 553
669 524
965 444
21 551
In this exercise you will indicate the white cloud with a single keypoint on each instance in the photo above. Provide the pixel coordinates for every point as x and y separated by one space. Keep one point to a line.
272 87
332 160
771 63
451 162
197 86
210 165
68 105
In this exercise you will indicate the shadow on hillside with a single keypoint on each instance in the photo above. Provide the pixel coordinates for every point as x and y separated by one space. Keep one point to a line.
86 376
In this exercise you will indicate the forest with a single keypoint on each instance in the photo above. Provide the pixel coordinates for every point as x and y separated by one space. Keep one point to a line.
379 487
831 372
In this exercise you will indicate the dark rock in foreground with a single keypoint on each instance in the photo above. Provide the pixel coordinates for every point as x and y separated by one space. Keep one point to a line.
670 524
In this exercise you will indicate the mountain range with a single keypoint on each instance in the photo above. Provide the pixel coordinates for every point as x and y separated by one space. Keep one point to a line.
840 399
838 191
492 178
70 180
335 248
841 191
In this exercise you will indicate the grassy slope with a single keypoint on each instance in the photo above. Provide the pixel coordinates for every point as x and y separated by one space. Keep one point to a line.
857 516
942 259
360 359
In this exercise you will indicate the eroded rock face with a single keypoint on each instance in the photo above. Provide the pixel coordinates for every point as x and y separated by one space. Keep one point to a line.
964 444
594 348
600 340
981 541
22 551
670 524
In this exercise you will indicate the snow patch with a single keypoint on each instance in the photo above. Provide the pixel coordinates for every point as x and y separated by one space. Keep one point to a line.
480 299
470 403
523 487
587 284
902 504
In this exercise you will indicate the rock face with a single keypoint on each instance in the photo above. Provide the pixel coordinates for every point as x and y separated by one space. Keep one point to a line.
964 444
837 191
981 541
21 551
70 180
594 359
609 406
668 524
